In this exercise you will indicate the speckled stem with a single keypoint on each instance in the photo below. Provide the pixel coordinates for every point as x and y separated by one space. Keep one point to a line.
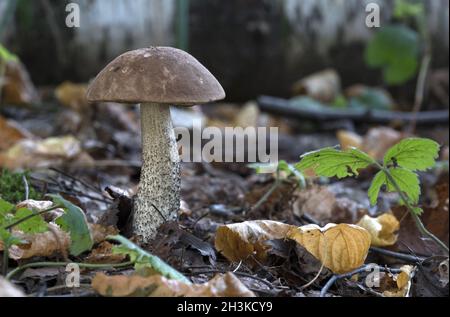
160 174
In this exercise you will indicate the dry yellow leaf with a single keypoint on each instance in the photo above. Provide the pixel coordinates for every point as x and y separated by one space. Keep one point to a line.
402 281
12 132
72 95
40 153
241 241
349 139
222 285
341 248
382 229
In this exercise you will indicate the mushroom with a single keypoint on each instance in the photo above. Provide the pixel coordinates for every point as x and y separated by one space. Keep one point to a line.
156 77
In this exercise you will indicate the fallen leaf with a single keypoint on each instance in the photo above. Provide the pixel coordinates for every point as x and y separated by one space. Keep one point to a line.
378 140
16 86
402 282
247 116
43 244
41 153
7 289
382 229
12 133
39 205
103 254
72 95
443 273
349 139
341 248
240 241
323 86
222 285
52 242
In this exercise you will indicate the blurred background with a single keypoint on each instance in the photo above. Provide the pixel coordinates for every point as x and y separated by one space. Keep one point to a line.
253 47
323 71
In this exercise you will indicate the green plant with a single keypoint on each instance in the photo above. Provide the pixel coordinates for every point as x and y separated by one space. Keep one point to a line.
12 186
396 48
397 172
31 222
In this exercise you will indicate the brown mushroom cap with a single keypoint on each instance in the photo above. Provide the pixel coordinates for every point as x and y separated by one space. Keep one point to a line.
155 75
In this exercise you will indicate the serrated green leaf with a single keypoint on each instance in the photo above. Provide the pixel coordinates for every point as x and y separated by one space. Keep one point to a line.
5 207
8 238
415 154
407 181
378 181
74 222
395 49
417 210
144 259
330 162
35 224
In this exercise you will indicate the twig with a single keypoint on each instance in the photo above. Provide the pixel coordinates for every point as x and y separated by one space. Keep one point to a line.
314 279
267 283
59 264
31 216
362 269
284 107
25 184
60 287
263 199
76 179
398 255
420 90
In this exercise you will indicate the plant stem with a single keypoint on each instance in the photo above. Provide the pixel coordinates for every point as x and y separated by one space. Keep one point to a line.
362 269
415 217
58 264
10 226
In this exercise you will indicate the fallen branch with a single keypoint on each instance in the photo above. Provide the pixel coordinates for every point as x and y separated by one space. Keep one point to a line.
284 107
362 269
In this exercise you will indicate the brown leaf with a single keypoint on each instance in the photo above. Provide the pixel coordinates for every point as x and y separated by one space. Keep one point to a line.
382 229
222 285
240 241
72 95
40 153
341 248
11 133
399 284
103 254
52 242
17 87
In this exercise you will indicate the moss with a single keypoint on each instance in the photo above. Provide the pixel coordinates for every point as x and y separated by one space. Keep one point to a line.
12 188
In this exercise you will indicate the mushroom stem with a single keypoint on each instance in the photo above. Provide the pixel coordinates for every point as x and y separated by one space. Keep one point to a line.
160 174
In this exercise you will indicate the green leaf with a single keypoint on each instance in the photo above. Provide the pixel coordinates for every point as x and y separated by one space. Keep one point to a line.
330 162
74 222
144 259
35 224
413 154
396 50
378 181
5 207
6 55
8 238
407 181
405 9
